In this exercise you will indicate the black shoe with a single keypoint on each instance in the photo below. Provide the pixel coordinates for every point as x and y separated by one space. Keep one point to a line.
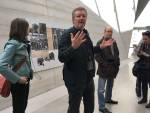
148 105
142 101
105 110
111 102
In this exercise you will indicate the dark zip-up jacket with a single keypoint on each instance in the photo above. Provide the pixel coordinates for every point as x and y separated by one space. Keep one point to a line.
108 64
75 70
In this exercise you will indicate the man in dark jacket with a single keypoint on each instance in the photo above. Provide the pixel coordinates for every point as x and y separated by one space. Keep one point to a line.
108 67
76 51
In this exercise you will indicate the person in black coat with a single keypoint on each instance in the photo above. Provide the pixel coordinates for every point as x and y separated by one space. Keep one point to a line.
144 66
108 66
76 51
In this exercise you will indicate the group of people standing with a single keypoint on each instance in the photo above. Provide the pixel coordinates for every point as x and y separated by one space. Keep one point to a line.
78 54
76 51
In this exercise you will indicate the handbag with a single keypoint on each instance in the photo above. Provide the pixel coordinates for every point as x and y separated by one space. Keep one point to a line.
140 67
135 69
5 85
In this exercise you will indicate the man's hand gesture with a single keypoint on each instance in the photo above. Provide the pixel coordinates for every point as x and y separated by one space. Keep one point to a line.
77 39
106 43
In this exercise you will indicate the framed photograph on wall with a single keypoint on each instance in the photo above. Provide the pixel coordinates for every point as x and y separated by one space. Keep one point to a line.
56 34
44 46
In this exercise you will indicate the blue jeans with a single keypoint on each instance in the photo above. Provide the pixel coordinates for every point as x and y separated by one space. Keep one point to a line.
101 91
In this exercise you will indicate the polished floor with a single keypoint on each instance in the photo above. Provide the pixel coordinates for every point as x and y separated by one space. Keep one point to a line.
55 101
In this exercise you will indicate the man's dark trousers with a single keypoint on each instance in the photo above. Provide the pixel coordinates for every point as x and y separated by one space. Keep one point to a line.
75 97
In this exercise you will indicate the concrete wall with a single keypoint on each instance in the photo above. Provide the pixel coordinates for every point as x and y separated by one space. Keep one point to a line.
57 14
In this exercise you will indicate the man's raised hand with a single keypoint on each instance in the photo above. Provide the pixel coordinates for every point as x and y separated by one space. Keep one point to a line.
77 39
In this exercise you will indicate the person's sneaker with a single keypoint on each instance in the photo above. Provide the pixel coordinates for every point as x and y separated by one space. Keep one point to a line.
142 101
111 102
148 105
105 110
